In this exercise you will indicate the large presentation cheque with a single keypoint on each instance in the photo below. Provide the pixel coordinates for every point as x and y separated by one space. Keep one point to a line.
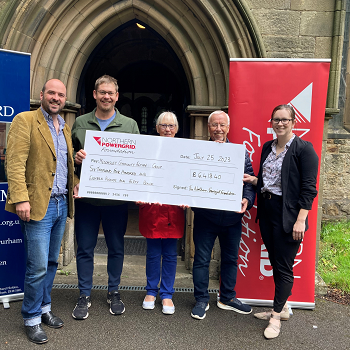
162 169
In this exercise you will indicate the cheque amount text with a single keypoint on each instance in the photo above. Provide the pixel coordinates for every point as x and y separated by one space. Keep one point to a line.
205 175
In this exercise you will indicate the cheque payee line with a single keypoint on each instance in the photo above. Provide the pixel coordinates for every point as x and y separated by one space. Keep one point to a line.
217 164
120 166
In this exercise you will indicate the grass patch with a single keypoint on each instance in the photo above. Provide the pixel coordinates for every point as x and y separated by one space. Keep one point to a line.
334 255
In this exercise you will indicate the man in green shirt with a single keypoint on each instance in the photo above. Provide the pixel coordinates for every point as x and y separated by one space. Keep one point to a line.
89 212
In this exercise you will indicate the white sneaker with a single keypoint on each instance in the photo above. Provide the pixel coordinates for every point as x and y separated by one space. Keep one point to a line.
148 305
168 310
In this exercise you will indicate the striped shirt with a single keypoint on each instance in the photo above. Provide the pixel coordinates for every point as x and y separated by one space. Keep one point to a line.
272 168
61 174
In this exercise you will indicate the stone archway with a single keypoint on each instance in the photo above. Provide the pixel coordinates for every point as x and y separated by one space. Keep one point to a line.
62 34
149 73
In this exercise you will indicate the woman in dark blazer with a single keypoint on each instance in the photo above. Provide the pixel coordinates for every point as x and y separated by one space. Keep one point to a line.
286 188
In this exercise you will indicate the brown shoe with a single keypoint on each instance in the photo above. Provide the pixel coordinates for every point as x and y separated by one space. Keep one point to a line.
267 314
272 330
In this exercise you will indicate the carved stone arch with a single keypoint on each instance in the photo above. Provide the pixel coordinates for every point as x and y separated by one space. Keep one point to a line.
61 35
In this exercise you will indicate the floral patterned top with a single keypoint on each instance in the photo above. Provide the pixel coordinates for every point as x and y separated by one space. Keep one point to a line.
272 169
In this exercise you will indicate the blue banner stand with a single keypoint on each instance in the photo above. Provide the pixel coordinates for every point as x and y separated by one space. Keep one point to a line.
14 98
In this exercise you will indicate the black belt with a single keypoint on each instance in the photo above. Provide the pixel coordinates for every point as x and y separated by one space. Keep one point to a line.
269 195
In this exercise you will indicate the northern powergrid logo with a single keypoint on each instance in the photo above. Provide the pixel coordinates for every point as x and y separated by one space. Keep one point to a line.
98 140
115 142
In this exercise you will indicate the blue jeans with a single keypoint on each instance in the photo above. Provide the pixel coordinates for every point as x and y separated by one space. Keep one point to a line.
204 235
156 248
42 241
87 222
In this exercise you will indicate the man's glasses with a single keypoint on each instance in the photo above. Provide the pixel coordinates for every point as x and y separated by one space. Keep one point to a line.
103 93
276 121
164 126
215 125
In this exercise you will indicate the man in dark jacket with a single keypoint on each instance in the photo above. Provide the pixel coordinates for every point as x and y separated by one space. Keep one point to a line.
209 224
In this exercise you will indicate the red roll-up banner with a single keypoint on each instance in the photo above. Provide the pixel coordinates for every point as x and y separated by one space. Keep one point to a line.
256 87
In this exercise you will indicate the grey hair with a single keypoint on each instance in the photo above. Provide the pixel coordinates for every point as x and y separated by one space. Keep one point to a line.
167 113
219 112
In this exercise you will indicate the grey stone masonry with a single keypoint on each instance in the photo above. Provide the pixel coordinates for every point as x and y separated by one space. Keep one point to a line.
312 5
295 28
316 23
336 190
67 247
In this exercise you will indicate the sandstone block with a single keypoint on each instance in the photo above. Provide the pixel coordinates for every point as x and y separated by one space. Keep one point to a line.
323 47
320 285
344 149
331 209
269 4
316 23
289 44
313 5
345 208
274 22
274 54
332 149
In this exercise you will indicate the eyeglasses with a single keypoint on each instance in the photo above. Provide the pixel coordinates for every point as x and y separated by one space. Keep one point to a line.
103 93
164 126
215 125
284 121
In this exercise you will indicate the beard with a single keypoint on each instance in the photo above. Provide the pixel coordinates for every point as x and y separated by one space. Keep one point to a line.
51 109
106 108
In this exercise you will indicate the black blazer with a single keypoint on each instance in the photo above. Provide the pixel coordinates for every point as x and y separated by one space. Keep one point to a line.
298 177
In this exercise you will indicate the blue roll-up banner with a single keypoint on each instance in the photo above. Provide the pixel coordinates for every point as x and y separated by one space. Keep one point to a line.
14 98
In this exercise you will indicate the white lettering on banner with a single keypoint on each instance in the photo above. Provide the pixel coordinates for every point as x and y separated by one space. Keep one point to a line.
265 262
247 218
10 289
243 246
245 249
3 263
11 241
9 223
6 111
298 261
251 151
3 196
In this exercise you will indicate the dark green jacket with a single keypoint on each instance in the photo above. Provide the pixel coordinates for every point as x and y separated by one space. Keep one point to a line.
120 123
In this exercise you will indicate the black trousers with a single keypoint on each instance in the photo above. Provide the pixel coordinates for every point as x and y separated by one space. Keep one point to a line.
281 248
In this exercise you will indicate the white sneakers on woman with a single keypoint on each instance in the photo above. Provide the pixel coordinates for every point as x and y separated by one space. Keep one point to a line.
148 305
168 310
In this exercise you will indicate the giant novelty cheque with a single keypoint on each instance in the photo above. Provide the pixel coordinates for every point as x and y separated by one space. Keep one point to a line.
165 170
